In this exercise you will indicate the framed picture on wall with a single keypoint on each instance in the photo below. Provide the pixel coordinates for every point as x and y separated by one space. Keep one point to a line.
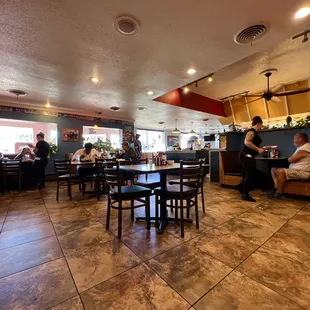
70 134
172 140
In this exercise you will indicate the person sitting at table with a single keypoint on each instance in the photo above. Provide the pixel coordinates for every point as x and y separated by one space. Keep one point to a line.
299 167
129 152
87 154
25 154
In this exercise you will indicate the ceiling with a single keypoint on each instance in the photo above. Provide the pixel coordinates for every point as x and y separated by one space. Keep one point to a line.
51 48
290 58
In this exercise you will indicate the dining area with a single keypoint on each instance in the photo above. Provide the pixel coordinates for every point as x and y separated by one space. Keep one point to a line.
136 182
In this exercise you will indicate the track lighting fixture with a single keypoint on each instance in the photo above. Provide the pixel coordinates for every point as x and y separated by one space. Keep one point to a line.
302 34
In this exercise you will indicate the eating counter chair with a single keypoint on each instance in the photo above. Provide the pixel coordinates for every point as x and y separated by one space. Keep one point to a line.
184 190
117 193
65 176
11 170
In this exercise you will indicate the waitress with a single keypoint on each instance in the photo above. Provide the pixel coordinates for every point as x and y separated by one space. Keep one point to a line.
247 156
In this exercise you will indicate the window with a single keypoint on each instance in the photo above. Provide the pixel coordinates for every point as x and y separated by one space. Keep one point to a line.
152 141
16 134
111 134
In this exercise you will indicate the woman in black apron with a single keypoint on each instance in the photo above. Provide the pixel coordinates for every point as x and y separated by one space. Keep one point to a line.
247 156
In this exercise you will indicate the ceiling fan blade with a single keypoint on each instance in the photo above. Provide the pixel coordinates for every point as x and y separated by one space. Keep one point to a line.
292 92
276 88
275 99
254 100
250 96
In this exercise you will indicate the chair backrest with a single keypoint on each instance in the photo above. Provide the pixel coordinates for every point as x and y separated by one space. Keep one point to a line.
11 166
190 174
100 164
62 166
113 177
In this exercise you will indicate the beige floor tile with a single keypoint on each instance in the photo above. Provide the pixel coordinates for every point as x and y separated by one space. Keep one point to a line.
138 288
72 211
227 247
74 303
26 234
292 242
97 264
65 225
28 255
251 230
24 218
288 277
239 292
148 243
189 271
38 288
86 237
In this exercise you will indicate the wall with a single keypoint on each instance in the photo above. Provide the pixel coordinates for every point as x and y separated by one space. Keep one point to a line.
282 138
62 122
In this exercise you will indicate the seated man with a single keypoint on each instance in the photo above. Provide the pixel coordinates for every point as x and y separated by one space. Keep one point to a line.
299 166
88 154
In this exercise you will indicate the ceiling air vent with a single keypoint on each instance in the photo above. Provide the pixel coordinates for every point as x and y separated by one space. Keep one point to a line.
115 109
17 92
126 25
250 34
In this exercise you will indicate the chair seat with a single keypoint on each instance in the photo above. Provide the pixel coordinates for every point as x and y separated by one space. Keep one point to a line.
143 182
131 191
175 190
185 181
67 176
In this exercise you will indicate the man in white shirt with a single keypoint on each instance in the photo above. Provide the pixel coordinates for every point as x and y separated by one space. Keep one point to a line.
299 167
88 154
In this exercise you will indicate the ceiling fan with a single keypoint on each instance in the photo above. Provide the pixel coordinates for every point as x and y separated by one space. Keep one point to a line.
273 93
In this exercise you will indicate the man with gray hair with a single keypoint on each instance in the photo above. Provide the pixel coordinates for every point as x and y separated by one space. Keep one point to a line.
299 167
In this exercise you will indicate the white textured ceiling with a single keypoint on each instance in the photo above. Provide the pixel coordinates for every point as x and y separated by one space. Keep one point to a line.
51 48
290 57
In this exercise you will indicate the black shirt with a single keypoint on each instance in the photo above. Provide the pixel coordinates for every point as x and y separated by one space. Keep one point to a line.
43 149
256 141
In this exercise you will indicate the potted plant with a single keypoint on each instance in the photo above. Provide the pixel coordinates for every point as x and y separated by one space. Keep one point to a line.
53 149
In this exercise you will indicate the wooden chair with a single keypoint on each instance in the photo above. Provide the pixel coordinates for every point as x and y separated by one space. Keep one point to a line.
189 183
184 190
99 176
143 180
119 193
64 176
11 170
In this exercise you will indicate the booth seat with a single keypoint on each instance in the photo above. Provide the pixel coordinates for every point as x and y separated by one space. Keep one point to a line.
230 168
297 187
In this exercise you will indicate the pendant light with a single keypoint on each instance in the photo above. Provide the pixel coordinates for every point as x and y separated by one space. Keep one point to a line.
192 132
176 130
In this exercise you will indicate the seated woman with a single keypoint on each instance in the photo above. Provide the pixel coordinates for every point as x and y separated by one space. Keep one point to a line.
25 154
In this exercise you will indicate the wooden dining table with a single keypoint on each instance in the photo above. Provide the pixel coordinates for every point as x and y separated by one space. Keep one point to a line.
162 170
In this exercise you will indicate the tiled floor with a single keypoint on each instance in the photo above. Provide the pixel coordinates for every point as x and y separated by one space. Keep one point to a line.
245 256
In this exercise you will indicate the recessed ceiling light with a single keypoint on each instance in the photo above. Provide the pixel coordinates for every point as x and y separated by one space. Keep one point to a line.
48 105
210 79
191 71
303 12
186 90
141 108
150 92
115 109
95 79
